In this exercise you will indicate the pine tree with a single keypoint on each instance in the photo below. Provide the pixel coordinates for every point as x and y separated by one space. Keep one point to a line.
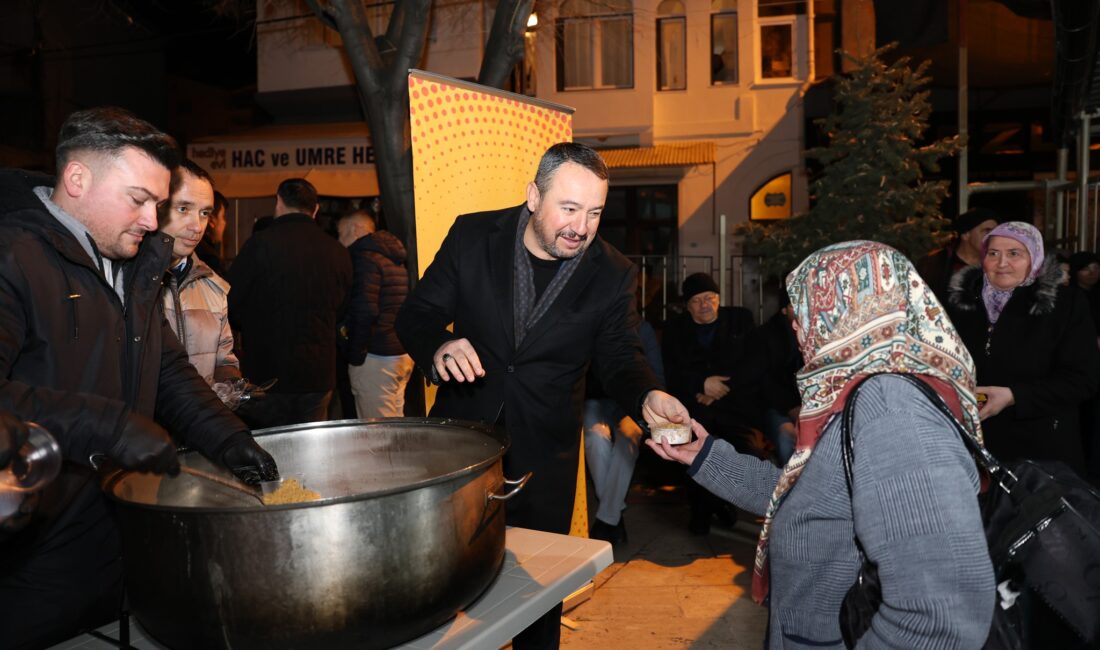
872 184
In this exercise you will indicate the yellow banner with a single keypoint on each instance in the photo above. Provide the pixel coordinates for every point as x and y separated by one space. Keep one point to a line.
475 148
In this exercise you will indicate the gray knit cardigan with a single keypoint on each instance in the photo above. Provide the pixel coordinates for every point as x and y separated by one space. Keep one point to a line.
916 513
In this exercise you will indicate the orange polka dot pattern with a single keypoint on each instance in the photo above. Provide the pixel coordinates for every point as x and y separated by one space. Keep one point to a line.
472 151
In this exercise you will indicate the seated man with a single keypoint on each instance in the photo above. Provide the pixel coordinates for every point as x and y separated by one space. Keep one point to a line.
195 296
703 350
611 442
767 379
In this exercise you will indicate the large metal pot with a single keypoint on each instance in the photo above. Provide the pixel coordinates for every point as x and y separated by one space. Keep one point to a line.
410 531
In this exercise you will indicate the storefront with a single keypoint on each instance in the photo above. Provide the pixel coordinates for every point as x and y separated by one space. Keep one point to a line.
248 166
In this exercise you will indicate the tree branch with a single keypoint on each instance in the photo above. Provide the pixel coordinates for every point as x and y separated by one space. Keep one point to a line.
324 12
410 45
505 45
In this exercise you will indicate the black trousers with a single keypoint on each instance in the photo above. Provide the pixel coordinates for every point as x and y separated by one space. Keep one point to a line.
64 582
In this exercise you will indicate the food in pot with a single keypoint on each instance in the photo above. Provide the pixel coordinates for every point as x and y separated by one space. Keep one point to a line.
291 491
673 433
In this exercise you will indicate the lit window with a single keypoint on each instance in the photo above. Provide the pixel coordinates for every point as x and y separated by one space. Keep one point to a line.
671 46
723 42
777 51
772 200
595 44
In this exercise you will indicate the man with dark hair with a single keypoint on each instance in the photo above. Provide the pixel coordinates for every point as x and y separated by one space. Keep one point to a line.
194 295
289 289
964 250
86 353
535 297
296 195
209 249
378 368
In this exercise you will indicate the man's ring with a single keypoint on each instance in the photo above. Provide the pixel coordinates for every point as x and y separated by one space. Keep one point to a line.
447 357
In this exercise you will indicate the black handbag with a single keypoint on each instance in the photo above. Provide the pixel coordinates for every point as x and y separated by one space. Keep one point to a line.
1042 525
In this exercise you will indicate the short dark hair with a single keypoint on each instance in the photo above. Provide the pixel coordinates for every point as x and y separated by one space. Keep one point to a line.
109 130
190 167
298 194
220 202
564 152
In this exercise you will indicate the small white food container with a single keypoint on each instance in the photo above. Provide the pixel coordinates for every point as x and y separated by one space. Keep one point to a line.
674 434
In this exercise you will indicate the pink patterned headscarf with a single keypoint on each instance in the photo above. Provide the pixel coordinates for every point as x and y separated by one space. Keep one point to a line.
862 310
995 299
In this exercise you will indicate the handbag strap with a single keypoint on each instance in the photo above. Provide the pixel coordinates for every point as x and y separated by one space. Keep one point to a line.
985 460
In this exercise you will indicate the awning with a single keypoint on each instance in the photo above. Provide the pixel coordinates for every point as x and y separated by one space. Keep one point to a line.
680 154
337 158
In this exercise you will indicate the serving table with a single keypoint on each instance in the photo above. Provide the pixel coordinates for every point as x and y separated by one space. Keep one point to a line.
540 570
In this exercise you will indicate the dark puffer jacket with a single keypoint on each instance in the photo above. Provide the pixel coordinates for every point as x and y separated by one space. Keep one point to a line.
1043 347
379 287
77 360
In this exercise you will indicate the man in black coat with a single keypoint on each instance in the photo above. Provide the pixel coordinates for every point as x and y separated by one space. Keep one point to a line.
702 351
535 297
970 228
85 351
288 290
378 368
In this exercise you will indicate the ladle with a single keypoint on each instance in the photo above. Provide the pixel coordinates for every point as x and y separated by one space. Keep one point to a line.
220 480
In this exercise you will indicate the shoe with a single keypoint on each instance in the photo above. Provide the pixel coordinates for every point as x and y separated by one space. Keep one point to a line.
614 534
726 515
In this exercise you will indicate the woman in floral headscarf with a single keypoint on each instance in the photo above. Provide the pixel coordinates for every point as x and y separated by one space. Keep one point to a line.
1034 345
862 316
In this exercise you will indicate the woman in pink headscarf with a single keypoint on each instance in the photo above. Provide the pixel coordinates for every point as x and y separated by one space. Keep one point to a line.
1033 344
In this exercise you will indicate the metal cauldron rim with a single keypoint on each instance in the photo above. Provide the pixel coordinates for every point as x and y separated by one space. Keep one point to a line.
496 433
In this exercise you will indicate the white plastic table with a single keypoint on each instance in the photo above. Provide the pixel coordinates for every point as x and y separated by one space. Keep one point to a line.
540 570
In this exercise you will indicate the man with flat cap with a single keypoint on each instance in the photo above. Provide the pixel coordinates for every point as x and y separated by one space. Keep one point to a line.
965 249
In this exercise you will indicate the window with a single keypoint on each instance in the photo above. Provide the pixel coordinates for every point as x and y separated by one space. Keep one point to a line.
776 50
641 219
671 46
766 8
772 200
723 42
595 44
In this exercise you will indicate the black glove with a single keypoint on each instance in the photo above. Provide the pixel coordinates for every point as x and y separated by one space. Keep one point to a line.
146 447
249 461
13 433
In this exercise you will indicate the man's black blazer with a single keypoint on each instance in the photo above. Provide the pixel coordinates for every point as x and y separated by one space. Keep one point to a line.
537 390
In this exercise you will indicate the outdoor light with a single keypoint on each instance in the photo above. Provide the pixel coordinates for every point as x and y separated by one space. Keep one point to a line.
533 20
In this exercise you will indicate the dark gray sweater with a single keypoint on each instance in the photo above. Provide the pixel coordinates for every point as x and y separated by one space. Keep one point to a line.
916 513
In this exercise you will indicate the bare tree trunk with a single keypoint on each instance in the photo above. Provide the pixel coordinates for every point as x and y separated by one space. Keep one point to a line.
381 74
381 68
505 46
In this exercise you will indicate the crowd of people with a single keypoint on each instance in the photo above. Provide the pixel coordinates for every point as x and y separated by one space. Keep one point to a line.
125 332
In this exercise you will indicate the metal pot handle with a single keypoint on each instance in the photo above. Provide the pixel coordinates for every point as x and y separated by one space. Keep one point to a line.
517 486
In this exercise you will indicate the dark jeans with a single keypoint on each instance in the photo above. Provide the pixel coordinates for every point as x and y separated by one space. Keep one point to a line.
281 409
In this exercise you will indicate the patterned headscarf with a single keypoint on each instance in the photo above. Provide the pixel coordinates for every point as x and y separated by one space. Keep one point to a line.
863 310
995 299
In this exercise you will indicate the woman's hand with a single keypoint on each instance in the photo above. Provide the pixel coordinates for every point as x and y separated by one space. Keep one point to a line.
685 453
997 399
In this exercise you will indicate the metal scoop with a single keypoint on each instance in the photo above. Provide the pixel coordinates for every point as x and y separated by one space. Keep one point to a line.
231 484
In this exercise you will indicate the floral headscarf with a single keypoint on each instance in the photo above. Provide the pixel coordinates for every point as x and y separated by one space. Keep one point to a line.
995 299
863 310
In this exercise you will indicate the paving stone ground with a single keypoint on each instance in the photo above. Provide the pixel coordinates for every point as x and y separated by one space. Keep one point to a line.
669 588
